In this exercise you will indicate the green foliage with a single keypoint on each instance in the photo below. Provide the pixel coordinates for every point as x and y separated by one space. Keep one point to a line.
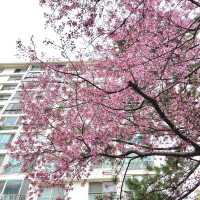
141 191
198 196
115 179
99 197
160 183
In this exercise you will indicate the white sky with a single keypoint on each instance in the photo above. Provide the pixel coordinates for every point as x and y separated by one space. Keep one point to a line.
20 19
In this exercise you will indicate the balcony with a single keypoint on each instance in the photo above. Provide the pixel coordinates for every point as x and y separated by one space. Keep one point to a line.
12 197
108 196
3 145
8 123
103 196
13 189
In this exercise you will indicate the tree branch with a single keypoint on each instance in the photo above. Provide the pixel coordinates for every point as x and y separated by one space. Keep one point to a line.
129 162
195 2
162 115
152 153
145 146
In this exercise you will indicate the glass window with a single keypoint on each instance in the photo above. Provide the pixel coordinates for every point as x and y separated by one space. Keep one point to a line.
148 161
50 167
35 68
105 164
5 139
1 161
52 193
139 164
135 164
20 70
24 189
4 97
46 193
13 166
1 108
13 108
8 122
31 76
12 187
8 87
138 138
1 185
101 190
16 96
95 187
15 78
109 187
57 192
95 191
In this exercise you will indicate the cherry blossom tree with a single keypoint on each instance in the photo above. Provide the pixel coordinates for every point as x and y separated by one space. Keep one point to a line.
138 74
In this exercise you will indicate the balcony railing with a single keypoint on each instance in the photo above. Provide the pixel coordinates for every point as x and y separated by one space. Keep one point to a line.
108 196
103 196
8 127
140 165
12 197
3 145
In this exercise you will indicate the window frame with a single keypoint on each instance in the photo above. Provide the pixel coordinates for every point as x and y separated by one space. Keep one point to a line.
15 77
51 194
8 87
102 192
13 108
8 122
20 70
22 191
3 95
6 142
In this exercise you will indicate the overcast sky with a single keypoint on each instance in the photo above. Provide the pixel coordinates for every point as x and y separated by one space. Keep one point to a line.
20 19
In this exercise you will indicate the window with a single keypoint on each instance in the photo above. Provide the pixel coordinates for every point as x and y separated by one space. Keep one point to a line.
23 190
52 193
1 108
13 108
31 76
1 161
4 97
35 68
49 167
13 189
95 188
8 87
148 161
102 189
20 70
139 164
7 123
16 96
13 166
2 183
105 164
5 139
15 78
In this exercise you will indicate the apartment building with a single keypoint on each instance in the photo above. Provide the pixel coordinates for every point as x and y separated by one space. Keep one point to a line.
104 180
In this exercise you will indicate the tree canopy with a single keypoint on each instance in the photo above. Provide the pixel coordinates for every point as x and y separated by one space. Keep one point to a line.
138 73
165 180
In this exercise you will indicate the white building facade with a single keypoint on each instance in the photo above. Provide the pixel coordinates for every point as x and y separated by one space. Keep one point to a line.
103 182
